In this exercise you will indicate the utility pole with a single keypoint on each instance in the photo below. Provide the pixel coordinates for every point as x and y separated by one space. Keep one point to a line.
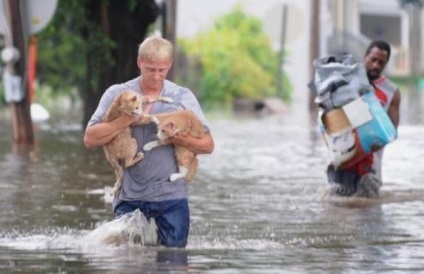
314 46
281 54
169 22
22 18
15 75
413 9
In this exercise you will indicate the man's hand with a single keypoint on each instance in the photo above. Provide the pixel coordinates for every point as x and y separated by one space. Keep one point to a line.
145 119
102 133
204 145
180 139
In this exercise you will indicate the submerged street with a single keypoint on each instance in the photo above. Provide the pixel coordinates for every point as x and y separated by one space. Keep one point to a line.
258 205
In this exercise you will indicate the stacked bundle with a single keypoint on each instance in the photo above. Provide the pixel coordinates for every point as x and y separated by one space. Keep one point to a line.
352 120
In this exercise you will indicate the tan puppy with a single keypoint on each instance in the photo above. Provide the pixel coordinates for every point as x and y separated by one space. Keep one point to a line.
121 152
182 122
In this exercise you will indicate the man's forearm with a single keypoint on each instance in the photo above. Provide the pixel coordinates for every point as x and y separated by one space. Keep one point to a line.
102 133
204 145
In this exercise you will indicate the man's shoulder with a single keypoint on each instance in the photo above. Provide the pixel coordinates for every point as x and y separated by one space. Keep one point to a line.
131 84
183 97
179 93
389 81
384 81
172 88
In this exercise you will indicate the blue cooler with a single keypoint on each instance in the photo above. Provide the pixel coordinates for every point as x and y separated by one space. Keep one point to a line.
379 131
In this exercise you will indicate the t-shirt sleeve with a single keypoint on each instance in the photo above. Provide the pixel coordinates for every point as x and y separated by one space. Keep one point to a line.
189 101
105 102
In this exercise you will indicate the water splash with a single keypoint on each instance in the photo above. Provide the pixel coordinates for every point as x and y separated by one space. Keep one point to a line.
131 229
232 243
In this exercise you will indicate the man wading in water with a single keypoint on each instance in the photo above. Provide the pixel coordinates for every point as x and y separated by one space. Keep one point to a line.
364 178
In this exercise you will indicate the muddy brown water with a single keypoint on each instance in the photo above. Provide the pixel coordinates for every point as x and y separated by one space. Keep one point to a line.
258 205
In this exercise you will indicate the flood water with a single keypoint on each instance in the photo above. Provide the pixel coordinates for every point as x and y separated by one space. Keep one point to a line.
258 205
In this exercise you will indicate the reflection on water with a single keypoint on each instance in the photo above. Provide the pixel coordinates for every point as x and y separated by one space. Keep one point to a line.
258 206
412 111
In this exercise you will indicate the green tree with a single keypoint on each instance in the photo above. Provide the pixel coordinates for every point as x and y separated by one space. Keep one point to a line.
237 60
92 45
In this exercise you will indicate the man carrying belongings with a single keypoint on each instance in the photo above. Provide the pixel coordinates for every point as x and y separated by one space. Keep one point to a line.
359 115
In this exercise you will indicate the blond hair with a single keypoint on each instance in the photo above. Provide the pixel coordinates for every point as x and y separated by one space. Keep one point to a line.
155 48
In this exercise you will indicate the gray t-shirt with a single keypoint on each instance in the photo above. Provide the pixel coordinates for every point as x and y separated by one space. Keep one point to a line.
148 180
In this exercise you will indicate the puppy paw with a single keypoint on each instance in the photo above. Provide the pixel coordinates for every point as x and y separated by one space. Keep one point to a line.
113 192
150 145
138 157
168 99
175 176
155 120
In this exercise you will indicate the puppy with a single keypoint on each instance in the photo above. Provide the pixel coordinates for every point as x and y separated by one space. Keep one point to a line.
182 122
121 152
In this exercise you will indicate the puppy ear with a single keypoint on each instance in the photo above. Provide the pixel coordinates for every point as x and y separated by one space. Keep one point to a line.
196 127
122 108
172 128
170 125
120 97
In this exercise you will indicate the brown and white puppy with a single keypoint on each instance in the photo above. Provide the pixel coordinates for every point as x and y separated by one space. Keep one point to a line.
182 122
121 152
